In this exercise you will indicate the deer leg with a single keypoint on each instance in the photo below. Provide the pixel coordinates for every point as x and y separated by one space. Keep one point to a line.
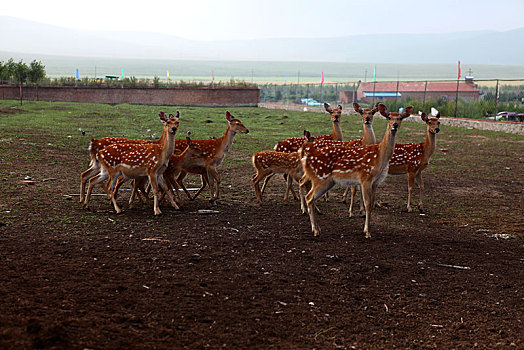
84 178
179 181
317 190
256 178
266 180
411 180
171 180
167 190
205 181
421 187
113 180
214 174
353 192
101 176
345 195
119 183
367 194
289 187
154 186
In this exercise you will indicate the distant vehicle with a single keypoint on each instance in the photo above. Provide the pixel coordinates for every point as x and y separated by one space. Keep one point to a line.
509 116
310 102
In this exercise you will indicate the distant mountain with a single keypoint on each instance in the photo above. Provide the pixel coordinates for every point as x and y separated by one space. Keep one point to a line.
476 47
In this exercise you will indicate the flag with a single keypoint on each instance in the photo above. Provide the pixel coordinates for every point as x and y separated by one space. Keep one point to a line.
77 73
122 73
459 71
322 82
213 74
375 73
167 74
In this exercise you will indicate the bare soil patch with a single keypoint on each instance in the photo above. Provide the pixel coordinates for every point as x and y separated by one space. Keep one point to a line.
253 276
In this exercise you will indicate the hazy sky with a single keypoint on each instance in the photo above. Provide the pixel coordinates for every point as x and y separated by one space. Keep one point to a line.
247 19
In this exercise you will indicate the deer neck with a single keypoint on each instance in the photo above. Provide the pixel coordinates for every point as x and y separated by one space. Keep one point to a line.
167 145
369 135
429 145
226 141
387 146
337 131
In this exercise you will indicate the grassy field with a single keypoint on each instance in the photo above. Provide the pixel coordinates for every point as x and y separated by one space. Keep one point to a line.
249 275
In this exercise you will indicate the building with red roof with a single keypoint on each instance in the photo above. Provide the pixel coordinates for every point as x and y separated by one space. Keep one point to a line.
389 91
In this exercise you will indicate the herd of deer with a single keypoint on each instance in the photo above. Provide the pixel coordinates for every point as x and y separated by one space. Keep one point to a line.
326 160
315 162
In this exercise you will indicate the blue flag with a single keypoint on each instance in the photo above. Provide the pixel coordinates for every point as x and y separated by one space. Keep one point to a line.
77 73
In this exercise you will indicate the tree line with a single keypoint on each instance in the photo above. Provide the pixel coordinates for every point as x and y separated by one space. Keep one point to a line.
20 72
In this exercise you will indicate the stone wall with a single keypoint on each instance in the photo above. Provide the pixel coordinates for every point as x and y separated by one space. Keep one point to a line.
149 96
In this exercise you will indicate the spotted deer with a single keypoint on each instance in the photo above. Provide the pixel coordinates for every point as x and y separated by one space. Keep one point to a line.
366 166
96 145
413 158
272 162
132 161
293 144
214 152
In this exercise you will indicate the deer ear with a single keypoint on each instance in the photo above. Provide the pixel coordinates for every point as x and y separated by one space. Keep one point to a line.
357 108
307 134
424 117
188 140
438 115
162 116
328 107
177 114
383 110
340 107
228 116
407 112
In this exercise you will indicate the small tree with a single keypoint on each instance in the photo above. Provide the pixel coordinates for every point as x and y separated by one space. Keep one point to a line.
36 72
21 71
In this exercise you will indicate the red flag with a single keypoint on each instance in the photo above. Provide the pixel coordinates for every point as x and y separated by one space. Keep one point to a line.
322 82
213 74
459 71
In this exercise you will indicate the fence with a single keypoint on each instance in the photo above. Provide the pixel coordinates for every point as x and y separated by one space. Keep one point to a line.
468 98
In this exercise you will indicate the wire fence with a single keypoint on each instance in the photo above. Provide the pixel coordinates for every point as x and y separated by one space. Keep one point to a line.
479 99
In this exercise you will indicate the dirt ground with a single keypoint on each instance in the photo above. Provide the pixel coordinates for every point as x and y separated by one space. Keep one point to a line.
254 276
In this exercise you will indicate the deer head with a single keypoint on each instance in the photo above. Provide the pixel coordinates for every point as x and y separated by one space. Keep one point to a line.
171 123
432 122
367 114
235 124
335 113
394 119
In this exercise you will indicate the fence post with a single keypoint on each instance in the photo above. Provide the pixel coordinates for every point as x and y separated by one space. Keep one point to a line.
497 96
396 96
457 97
424 99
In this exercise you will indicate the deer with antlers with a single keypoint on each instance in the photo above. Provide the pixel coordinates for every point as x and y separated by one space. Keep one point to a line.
132 161
293 144
366 166
97 144
214 152
413 158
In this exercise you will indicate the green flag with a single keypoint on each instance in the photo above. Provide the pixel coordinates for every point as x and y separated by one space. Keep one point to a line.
375 73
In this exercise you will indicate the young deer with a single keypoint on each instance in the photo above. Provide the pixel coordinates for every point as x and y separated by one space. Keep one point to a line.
293 144
412 158
96 145
132 161
272 162
214 151
366 166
